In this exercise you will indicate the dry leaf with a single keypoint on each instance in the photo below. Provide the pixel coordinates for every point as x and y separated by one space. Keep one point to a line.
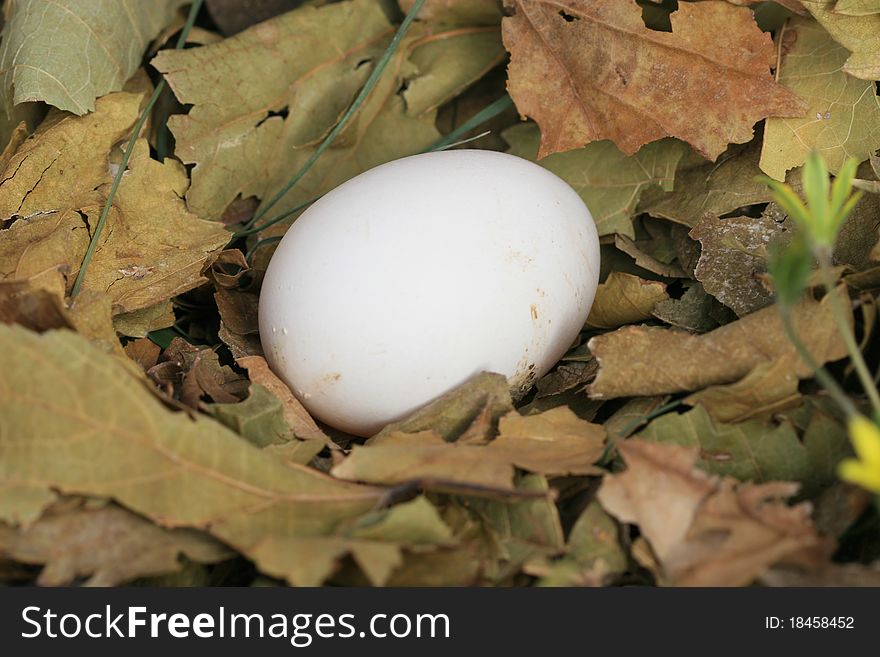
624 299
69 52
706 531
587 70
100 432
734 253
639 360
554 442
843 118
295 75
768 388
399 458
859 34
304 427
109 545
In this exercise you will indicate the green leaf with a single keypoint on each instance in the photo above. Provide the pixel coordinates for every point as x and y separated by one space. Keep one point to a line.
258 419
749 451
67 53
609 182
790 269
858 34
843 119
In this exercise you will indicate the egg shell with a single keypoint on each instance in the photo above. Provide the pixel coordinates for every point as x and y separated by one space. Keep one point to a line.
408 279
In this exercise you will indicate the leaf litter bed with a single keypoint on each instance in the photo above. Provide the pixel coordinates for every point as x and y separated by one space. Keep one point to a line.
681 441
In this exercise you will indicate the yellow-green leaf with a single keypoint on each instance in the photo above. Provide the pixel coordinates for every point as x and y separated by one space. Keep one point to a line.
843 119
67 53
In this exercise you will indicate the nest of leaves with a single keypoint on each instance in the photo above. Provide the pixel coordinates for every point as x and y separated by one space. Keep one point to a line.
680 441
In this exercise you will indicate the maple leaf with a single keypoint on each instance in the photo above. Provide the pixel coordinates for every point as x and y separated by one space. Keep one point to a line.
587 70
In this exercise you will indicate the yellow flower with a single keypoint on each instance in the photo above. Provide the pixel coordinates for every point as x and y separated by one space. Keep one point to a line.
864 471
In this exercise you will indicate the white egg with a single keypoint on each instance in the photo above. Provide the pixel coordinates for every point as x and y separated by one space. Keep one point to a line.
410 278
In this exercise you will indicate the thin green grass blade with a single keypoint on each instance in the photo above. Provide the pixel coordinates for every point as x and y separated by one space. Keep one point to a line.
350 112
490 111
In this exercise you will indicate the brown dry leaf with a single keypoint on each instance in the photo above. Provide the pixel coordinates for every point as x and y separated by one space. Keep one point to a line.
153 247
640 361
555 442
197 375
109 545
454 412
588 70
144 352
295 414
58 168
694 311
137 323
768 388
734 252
624 299
645 260
398 458
703 530
37 302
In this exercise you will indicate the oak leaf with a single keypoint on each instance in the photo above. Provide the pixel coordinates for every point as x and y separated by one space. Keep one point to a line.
587 70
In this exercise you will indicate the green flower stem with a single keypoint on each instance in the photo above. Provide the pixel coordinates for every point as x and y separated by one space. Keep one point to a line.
105 212
824 256
821 374
350 112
